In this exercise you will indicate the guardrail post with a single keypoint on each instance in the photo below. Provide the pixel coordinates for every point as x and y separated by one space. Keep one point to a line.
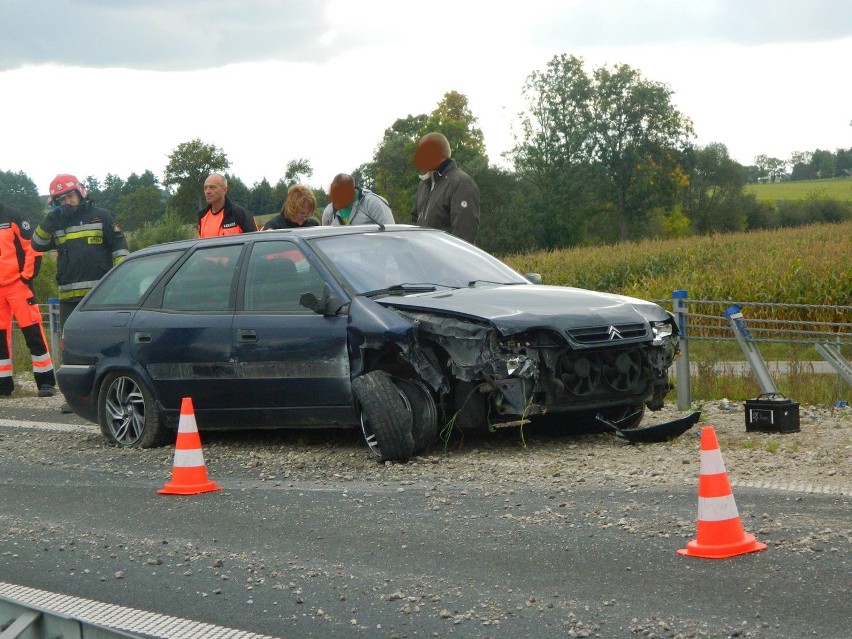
682 372
749 348
53 317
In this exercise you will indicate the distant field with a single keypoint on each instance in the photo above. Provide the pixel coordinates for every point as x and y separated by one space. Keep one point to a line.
832 188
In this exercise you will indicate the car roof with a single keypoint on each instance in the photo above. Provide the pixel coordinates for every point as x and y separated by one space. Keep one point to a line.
308 233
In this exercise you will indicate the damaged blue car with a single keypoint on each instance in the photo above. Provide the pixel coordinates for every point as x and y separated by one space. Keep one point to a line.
396 330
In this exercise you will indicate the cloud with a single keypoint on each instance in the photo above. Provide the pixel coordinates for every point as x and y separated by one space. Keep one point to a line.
172 35
622 23
160 34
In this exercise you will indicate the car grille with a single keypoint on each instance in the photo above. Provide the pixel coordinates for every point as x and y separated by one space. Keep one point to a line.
610 333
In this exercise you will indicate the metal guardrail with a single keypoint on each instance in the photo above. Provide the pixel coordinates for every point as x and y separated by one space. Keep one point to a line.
827 337
30 613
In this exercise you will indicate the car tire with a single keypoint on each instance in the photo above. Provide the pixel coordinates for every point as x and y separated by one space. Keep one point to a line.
385 416
127 413
424 413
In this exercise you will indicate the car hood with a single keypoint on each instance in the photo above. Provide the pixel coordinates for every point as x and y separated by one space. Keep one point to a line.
512 309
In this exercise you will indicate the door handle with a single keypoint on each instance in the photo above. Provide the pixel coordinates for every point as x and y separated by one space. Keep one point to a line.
142 338
247 335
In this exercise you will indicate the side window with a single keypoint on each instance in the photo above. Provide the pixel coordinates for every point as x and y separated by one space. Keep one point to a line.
203 282
126 286
278 274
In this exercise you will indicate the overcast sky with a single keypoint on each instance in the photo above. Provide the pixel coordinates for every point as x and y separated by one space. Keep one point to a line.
96 86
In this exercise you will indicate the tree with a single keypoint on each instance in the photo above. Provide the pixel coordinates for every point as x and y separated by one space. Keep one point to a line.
843 163
392 171
602 149
552 151
238 191
768 168
134 182
635 127
824 163
107 195
453 118
139 207
189 165
802 166
18 190
262 200
710 199
297 171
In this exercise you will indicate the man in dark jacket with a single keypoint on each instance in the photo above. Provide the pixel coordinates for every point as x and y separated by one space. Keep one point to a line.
87 239
447 197
222 217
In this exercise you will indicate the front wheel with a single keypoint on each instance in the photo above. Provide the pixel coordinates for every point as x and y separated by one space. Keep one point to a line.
385 416
127 413
424 413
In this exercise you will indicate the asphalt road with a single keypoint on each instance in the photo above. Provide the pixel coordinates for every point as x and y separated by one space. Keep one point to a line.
404 559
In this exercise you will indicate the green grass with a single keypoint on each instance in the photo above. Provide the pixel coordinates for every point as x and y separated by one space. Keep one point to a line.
831 188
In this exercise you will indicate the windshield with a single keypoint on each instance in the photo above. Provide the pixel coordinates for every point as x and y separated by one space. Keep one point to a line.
418 261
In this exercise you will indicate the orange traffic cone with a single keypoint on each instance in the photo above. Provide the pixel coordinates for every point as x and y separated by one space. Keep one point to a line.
720 532
189 474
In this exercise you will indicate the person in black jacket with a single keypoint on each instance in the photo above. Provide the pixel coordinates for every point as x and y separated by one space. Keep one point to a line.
87 239
297 210
222 216
447 198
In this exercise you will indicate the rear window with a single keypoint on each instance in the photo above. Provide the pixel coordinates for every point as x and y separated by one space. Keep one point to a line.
126 285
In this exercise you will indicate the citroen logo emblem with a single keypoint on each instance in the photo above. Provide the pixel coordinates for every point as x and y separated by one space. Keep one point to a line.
614 333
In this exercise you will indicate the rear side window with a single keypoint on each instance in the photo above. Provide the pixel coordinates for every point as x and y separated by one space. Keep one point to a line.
203 282
127 285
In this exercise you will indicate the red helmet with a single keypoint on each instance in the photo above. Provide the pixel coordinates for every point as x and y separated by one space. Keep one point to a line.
64 183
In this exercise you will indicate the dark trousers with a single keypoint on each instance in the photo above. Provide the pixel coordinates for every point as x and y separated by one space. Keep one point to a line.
65 308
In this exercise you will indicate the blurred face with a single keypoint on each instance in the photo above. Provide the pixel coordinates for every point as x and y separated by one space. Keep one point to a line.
69 199
428 155
342 194
214 191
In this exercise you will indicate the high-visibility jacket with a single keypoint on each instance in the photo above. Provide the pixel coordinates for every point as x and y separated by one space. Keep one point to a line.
88 243
18 260
231 220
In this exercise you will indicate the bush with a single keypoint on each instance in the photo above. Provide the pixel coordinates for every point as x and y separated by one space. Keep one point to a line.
169 228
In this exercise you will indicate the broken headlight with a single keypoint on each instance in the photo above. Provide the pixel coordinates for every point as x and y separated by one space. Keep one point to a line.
662 332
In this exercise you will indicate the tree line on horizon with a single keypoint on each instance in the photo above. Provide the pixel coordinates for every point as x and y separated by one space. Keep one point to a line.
601 157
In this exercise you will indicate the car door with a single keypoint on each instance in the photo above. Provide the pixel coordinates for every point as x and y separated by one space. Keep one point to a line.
183 337
292 362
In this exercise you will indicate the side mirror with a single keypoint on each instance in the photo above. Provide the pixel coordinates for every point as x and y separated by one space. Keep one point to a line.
328 305
310 301
534 278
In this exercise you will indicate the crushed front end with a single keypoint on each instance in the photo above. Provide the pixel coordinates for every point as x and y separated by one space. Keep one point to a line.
489 377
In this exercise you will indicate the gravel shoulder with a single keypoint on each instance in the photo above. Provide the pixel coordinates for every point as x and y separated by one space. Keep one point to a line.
818 458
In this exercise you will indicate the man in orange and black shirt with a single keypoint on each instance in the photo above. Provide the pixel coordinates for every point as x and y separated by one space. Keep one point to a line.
222 216
19 264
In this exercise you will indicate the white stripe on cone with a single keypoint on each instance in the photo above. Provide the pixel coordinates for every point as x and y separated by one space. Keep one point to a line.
717 508
187 424
189 458
711 462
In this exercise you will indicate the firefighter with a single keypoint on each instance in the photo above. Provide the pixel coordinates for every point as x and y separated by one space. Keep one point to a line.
19 264
87 239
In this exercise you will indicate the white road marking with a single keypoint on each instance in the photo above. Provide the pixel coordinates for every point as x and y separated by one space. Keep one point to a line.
50 426
796 487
